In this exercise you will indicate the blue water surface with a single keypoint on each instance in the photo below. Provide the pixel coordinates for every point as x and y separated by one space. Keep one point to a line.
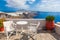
42 15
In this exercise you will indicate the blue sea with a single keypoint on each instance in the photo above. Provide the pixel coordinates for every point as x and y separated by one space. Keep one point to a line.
43 15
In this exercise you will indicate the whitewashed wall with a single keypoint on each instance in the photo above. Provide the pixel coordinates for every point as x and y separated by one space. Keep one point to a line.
42 21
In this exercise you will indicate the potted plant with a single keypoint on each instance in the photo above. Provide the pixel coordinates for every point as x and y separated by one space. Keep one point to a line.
1 25
50 22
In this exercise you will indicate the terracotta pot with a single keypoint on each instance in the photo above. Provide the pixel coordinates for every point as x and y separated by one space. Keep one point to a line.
2 29
50 25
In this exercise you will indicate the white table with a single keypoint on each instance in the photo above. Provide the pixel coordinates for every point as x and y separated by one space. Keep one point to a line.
22 30
21 23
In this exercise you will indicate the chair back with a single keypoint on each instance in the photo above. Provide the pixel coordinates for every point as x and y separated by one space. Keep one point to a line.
33 27
38 25
8 25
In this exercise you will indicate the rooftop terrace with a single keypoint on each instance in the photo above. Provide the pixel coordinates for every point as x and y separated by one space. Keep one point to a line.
41 35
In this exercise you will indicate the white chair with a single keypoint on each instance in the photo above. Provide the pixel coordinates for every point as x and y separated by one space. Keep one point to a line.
8 28
32 28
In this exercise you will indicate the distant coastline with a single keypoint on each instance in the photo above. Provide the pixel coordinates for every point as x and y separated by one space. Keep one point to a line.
42 15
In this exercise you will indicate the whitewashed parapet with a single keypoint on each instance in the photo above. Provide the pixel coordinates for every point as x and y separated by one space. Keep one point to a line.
42 21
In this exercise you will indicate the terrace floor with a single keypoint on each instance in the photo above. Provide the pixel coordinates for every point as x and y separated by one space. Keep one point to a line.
42 35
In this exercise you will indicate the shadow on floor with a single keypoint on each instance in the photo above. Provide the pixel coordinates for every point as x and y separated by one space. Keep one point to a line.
56 36
26 37
53 33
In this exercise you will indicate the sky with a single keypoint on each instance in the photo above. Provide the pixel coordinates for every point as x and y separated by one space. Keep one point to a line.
35 5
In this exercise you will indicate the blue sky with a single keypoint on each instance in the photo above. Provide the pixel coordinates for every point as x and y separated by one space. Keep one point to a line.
36 5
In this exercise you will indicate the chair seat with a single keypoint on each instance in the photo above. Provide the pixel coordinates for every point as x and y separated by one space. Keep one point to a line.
9 29
32 28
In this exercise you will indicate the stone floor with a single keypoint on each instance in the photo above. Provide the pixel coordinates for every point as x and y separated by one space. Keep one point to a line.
42 35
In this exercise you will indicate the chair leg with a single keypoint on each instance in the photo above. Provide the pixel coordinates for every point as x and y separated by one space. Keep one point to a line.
7 38
16 33
7 35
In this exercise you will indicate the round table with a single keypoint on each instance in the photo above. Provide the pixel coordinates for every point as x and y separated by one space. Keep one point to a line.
21 23
22 30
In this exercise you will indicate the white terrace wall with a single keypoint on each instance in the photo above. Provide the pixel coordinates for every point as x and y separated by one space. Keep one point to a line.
42 21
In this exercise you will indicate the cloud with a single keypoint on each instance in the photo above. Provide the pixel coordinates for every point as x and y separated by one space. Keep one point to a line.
31 1
17 4
42 5
49 6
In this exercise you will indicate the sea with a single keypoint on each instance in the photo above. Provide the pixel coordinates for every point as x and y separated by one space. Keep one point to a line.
42 15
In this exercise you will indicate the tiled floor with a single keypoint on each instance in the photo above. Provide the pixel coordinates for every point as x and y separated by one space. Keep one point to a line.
42 35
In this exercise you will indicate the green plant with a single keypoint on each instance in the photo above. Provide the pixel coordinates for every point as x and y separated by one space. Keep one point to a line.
50 18
1 23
